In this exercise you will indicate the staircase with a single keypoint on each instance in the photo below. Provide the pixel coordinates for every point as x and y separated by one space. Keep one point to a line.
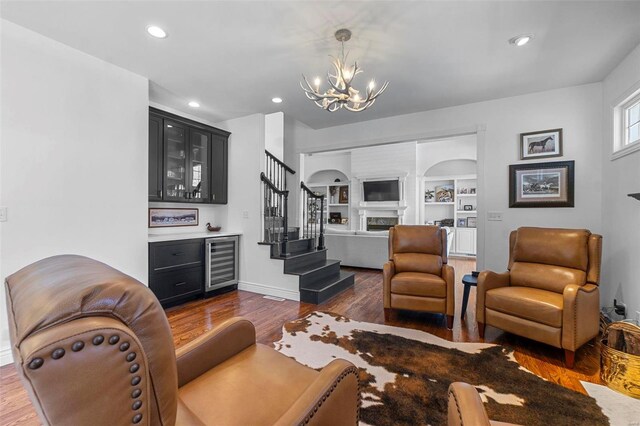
301 250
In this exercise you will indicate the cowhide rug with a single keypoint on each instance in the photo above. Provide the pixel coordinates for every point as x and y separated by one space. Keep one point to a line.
405 374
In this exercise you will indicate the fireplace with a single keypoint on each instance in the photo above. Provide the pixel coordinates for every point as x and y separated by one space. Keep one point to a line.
381 223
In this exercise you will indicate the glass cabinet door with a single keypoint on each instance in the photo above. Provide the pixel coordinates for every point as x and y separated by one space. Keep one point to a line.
175 160
198 166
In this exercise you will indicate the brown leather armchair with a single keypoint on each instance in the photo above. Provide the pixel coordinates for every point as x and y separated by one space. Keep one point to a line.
465 407
550 292
93 346
417 276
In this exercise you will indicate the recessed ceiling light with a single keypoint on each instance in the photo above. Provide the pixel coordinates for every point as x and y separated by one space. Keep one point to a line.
276 100
521 40
194 104
156 31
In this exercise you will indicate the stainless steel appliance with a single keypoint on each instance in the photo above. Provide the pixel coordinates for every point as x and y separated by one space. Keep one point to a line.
222 262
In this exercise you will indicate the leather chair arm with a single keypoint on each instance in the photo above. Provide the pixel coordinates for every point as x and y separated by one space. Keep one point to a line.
388 271
580 315
449 276
465 407
332 399
213 347
488 280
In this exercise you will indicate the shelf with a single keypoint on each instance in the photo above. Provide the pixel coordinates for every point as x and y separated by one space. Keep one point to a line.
439 203
466 195
175 158
467 211
339 205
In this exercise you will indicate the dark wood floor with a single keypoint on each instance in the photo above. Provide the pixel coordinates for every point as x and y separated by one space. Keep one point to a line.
363 302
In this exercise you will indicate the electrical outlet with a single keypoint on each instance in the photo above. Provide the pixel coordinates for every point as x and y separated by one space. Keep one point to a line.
495 216
3 214
245 214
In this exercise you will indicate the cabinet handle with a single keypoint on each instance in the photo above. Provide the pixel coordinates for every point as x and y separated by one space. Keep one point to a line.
178 253
159 193
179 284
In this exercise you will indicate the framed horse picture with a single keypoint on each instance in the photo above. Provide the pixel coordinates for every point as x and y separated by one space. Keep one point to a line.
542 144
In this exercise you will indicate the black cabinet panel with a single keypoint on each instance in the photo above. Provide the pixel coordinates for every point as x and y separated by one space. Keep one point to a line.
187 160
219 172
155 158
174 254
178 284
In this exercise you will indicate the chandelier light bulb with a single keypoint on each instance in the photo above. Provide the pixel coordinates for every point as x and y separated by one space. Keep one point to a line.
317 82
372 85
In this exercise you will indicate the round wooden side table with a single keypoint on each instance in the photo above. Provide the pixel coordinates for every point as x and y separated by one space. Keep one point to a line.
468 281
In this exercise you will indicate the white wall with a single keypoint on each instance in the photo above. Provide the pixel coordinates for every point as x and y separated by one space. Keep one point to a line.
621 214
578 110
274 134
258 273
433 152
73 158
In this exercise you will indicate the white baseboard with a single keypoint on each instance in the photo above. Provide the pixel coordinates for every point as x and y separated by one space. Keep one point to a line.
269 290
6 357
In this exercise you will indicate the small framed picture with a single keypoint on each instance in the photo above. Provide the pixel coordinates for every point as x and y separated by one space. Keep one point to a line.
471 222
542 144
344 220
344 195
163 217
468 207
472 190
542 184
462 222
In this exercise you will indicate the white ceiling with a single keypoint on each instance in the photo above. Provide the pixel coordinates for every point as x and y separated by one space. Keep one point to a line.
233 57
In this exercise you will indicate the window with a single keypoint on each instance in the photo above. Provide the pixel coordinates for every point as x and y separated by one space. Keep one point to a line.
626 129
631 125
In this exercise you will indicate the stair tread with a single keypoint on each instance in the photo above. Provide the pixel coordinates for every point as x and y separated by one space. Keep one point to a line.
327 283
302 270
299 255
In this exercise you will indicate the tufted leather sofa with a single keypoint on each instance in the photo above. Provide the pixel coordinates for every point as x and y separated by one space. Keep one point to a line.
465 408
417 276
550 292
94 347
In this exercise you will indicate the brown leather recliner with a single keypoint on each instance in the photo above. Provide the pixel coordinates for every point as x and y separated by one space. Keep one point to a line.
417 276
93 346
465 407
550 292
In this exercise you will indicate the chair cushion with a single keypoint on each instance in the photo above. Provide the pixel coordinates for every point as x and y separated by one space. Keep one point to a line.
418 284
545 277
255 387
561 247
418 262
529 303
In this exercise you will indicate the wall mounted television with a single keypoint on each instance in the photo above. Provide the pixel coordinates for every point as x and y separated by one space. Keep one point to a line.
381 190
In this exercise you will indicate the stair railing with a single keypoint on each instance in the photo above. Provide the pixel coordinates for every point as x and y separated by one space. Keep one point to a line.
277 171
276 218
310 217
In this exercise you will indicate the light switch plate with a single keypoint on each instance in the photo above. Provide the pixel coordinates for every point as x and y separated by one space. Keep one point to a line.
245 214
3 214
494 216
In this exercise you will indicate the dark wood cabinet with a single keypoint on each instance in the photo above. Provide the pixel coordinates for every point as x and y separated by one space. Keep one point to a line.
155 158
219 147
176 270
187 160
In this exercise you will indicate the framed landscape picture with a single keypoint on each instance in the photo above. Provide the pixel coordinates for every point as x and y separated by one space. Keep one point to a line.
542 184
542 144
162 217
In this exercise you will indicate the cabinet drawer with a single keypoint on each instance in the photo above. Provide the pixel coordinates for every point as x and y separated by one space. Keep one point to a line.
174 254
168 286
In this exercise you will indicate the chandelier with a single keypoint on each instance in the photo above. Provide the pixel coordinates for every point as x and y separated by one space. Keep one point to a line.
340 93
